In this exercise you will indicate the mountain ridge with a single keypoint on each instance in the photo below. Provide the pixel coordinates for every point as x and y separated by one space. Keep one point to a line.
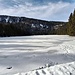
21 26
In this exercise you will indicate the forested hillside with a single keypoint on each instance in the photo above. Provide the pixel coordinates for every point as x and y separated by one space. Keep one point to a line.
21 26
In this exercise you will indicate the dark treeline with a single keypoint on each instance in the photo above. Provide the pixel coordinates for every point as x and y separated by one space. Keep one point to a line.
14 29
22 26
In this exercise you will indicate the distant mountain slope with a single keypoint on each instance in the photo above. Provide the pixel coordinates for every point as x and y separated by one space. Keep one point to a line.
16 26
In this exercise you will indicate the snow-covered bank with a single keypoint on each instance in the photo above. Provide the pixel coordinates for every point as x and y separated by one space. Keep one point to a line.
62 69
23 54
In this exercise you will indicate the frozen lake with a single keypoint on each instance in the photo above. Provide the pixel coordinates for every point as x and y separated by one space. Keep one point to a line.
27 53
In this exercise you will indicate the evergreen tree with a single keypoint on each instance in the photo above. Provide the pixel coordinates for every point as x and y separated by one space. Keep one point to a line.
73 23
70 26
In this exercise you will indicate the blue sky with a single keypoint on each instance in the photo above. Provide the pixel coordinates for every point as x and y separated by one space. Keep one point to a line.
51 10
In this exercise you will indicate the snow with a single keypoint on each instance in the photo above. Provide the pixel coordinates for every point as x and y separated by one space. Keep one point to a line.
33 26
7 19
41 25
37 55
62 69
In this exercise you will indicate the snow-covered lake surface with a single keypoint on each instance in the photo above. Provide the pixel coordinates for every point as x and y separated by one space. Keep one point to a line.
22 54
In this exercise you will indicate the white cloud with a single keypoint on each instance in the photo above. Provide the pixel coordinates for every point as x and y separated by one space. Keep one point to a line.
51 11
